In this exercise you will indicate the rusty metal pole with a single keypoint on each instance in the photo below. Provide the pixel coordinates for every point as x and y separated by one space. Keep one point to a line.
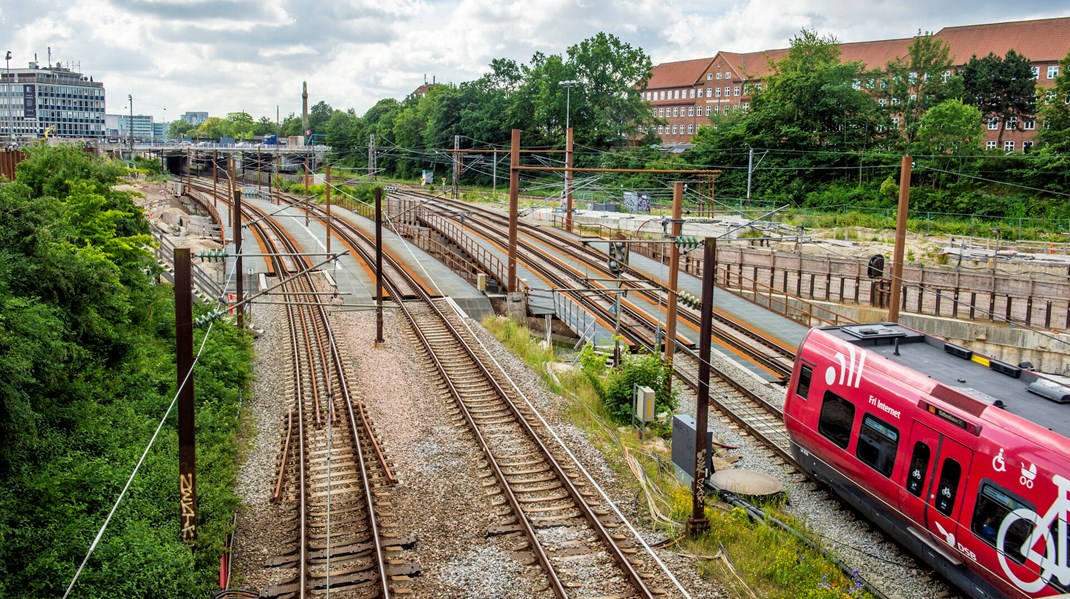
307 202
189 166
514 197
568 180
674 275
215 178
697 522
238 274
900 239
328 174
378 265
456 166
187 451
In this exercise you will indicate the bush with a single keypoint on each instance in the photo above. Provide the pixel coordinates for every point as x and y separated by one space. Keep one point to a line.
645 369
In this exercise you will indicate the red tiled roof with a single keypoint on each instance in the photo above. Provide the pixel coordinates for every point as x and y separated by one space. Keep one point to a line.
1043 40
677 74
876 54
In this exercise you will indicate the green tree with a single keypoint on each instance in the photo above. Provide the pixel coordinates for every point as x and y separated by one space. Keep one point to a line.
318 117
264 126
179 129
239 125
609 106
1003 89
915 83
1054 135
950 128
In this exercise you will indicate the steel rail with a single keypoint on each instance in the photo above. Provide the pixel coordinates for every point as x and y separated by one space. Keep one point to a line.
583 506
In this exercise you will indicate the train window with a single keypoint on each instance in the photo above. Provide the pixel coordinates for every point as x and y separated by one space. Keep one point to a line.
993 506
919 464
877 443
948 488
805 374
837 417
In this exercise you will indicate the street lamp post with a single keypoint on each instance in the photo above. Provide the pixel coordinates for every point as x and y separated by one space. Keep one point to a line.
7 99
568 84
130 98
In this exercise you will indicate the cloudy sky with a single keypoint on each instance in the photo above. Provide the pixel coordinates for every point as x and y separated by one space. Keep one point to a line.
227 55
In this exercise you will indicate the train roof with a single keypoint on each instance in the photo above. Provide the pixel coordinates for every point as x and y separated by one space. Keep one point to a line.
971 382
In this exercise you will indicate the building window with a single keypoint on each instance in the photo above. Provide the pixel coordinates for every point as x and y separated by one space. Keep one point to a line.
676 111
716 109
745 106
717 92
727 90
675 94
1008 146
690 129
692 92
895 101
709 76
913 97
1053 71
895 122
993 123
856 84
661 112
912 77
1036 72
701 92
735 90
690 111
727 75
990 145
661 129
877 443
707 111
1027 146
882 102
836 420
1029 124
1012 123
674 129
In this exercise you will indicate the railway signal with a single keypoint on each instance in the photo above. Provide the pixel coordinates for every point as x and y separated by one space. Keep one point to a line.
618 257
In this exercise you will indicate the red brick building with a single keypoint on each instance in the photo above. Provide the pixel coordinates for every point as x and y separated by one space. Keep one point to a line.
687 93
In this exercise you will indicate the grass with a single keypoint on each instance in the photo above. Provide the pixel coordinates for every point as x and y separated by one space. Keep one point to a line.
747 558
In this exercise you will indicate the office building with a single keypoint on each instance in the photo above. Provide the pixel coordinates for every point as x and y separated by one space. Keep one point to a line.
57 100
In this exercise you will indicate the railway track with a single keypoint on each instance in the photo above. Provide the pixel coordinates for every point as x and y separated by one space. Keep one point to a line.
333 473
586 256
562 522
751 412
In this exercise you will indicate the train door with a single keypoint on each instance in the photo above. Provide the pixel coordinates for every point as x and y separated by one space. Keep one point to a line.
935 482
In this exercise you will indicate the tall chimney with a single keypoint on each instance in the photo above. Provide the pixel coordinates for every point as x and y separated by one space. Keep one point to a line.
304 105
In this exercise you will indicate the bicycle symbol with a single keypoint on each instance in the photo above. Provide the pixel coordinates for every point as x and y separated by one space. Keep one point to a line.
1052 560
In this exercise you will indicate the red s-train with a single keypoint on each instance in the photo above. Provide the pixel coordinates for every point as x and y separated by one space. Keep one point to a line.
963 459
